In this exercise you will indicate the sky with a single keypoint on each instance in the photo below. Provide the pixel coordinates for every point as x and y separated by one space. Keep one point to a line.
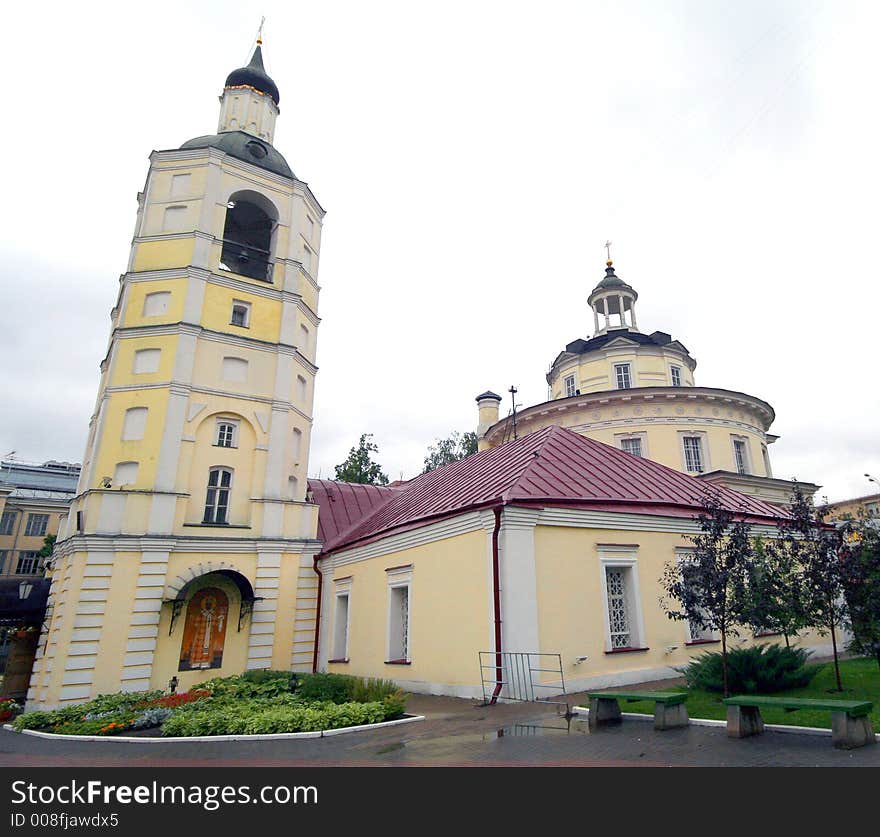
473 158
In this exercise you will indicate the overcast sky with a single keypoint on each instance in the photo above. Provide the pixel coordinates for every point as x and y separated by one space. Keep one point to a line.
473 157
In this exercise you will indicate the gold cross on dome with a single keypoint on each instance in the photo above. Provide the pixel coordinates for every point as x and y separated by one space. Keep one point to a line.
608 249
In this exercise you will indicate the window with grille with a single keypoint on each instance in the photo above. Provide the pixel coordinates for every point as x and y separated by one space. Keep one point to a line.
36 525
217 499
569 386
631 446
623 372
618 608
28 563
227 434
7 522
693 454
675 372
739 454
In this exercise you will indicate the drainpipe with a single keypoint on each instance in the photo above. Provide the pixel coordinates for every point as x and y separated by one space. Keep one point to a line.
496 592
317 613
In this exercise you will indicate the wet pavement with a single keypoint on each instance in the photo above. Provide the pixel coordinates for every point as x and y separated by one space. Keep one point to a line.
459 732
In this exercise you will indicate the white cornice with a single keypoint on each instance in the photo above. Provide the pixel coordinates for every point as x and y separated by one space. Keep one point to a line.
183 543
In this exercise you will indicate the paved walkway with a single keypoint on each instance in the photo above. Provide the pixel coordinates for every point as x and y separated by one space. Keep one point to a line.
458 732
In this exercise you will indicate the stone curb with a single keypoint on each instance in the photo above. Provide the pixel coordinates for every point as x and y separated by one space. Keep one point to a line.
170 740
710 722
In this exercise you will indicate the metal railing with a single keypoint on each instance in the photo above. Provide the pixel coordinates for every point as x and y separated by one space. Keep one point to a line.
515 671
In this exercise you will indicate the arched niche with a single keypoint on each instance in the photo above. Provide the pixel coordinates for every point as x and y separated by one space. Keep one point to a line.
249 235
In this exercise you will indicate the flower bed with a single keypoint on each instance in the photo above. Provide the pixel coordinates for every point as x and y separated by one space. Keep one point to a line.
257 702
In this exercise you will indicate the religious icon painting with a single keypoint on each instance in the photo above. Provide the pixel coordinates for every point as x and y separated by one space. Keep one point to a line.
204 633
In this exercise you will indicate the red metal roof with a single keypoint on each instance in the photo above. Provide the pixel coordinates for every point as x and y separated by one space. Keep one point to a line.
342 504
552 466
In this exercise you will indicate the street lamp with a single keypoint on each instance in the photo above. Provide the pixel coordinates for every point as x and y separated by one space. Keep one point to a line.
24 589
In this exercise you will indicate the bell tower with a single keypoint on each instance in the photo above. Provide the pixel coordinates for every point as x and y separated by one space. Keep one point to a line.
194 475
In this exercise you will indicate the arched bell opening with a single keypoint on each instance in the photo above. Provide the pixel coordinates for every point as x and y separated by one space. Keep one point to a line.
248 235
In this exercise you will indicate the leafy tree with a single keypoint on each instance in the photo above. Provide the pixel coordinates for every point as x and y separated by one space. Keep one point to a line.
861 580
48 546
360 467
775 594
444 451
708 589
816 549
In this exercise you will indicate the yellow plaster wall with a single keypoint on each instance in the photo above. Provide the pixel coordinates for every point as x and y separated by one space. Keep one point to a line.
112 449
137 291
265 315
123 367
571 609
260 380
449 616
163 254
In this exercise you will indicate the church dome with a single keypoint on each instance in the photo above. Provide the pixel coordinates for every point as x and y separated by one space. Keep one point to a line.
254 75
612 281
245 147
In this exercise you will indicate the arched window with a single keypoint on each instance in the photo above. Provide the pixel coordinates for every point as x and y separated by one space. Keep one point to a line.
217 498
247 236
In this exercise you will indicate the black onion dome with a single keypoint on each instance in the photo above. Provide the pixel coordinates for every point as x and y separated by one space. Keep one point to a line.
254 75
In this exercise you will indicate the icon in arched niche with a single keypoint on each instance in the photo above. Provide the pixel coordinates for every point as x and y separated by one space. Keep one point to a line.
204 633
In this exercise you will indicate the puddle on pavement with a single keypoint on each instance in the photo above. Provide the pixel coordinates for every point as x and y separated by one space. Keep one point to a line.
556 726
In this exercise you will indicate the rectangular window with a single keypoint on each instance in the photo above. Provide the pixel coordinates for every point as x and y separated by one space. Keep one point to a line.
7 522
310 228
217 498
2 562
28 563
694 630
618 608
146 361
156 304
180 185
569 386
241 314
740 456
631 446
399 582
675 372
766 457
36 525
227 433
624 375
340 627
693 454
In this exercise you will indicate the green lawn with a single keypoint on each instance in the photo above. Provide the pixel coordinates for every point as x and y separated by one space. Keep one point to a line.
861 681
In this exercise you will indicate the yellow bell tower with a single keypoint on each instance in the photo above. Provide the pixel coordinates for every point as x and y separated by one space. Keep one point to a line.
188 550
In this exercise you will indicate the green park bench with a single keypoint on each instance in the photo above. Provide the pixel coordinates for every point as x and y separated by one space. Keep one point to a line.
669 708
850 721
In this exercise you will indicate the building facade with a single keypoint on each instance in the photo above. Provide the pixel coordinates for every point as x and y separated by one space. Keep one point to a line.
189 546
34 499
638 392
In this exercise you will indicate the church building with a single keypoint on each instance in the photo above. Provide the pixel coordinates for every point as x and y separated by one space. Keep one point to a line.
197 547
189 546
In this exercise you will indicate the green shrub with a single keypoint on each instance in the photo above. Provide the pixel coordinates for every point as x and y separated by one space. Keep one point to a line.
758 669
104 706
251 684
335 688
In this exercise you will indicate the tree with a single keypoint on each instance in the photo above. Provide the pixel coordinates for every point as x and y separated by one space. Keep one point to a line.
861 581
444 451
48 546
775 594
359 466
708 588
816 548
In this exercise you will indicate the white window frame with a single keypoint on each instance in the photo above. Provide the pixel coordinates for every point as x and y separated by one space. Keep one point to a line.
398 578
620 438
675 371
765 455
623 557
623 370
156 299
36 520
747 458
246 307
704 450
683 554
218 469
342 591
226 422
569 383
